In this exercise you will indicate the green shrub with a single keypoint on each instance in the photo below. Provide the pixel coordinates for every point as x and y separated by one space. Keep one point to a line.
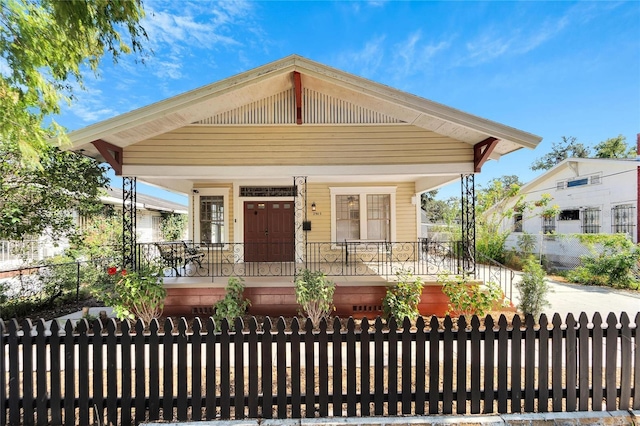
402 299
491 245
615 266
469 298
314 293
533 288
139 294
232 305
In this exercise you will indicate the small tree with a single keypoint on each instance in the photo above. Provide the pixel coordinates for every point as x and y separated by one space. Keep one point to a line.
533 288
402 299
232 305
469 298
173 226
314 293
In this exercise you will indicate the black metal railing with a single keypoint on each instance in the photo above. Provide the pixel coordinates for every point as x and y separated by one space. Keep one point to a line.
350 258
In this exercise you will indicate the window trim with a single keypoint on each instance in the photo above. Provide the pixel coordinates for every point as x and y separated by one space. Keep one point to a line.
207 192
362 192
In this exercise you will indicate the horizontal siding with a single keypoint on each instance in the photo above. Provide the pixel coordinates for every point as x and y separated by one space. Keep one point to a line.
298 145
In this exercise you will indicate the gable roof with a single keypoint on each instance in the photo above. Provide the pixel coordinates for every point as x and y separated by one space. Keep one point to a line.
388 105
621 163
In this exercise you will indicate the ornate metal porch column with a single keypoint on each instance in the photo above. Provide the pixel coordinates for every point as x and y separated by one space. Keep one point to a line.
128 222
300 217
468 197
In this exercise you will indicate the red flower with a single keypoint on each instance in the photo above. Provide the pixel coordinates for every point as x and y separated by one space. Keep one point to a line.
111 270
124 272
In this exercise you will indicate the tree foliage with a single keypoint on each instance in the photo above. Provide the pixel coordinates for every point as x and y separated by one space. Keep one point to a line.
614 148
314 293
568 148
173 226
45 45
38 200
440 211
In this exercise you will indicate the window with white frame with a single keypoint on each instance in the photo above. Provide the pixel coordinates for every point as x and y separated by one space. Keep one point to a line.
364 213
211 218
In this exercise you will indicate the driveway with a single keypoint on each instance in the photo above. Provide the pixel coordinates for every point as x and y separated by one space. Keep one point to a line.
576 298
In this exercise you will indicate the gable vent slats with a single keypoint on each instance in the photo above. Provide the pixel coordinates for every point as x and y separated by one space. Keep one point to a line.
318 108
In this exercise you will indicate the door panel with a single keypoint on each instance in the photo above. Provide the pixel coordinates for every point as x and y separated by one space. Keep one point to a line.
269 231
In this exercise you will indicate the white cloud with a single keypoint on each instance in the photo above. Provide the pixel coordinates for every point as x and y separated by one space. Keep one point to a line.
415 55
367 60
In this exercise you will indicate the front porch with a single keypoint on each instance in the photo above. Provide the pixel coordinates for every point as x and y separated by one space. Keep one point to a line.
196 275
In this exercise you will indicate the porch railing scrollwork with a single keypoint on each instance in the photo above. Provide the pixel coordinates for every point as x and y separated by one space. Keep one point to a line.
347 258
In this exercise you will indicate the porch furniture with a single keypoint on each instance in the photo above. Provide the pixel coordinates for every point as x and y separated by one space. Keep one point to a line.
174 254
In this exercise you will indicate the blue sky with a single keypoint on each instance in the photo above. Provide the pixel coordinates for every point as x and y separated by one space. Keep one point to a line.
550 68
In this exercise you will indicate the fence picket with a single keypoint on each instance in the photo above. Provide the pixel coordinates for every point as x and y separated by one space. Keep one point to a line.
83 372
378 389
434 365
503 350
27 372
351 368
336 340
529 364
3 377
489 367
611 361
69 376
238 368
596 361
281 359
125 399
636 363
154 370
225 370
543 365
112 381
583 362
210 374
392 368
141 370
196 371
447 367
182 370
267 370
55 386
167 369
253 368
461 367
296 402
309 353
14 374
421 389
625 363
556 363
571 362
323 369
475 365
406 373
516 365
42 414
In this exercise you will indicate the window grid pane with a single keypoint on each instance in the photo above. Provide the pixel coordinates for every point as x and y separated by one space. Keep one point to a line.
548 225
212 219
347 217
591 221
378 216
622 222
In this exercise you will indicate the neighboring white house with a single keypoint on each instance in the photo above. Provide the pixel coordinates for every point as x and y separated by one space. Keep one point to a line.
594 196
149 211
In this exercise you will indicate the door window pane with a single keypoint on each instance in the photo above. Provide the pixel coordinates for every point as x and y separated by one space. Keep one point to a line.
212 219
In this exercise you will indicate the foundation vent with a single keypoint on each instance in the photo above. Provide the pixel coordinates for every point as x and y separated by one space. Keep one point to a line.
367 308
202 310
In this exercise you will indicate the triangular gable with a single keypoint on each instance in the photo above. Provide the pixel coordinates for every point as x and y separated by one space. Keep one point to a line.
318 108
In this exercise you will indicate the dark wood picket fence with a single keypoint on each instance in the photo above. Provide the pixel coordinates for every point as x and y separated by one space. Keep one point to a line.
123 376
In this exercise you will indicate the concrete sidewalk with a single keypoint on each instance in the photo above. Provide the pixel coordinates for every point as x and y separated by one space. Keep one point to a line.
537 419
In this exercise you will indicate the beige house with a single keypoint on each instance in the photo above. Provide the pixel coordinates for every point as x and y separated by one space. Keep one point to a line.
296 164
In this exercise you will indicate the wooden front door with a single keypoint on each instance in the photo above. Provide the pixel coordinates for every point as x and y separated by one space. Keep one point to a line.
269 231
